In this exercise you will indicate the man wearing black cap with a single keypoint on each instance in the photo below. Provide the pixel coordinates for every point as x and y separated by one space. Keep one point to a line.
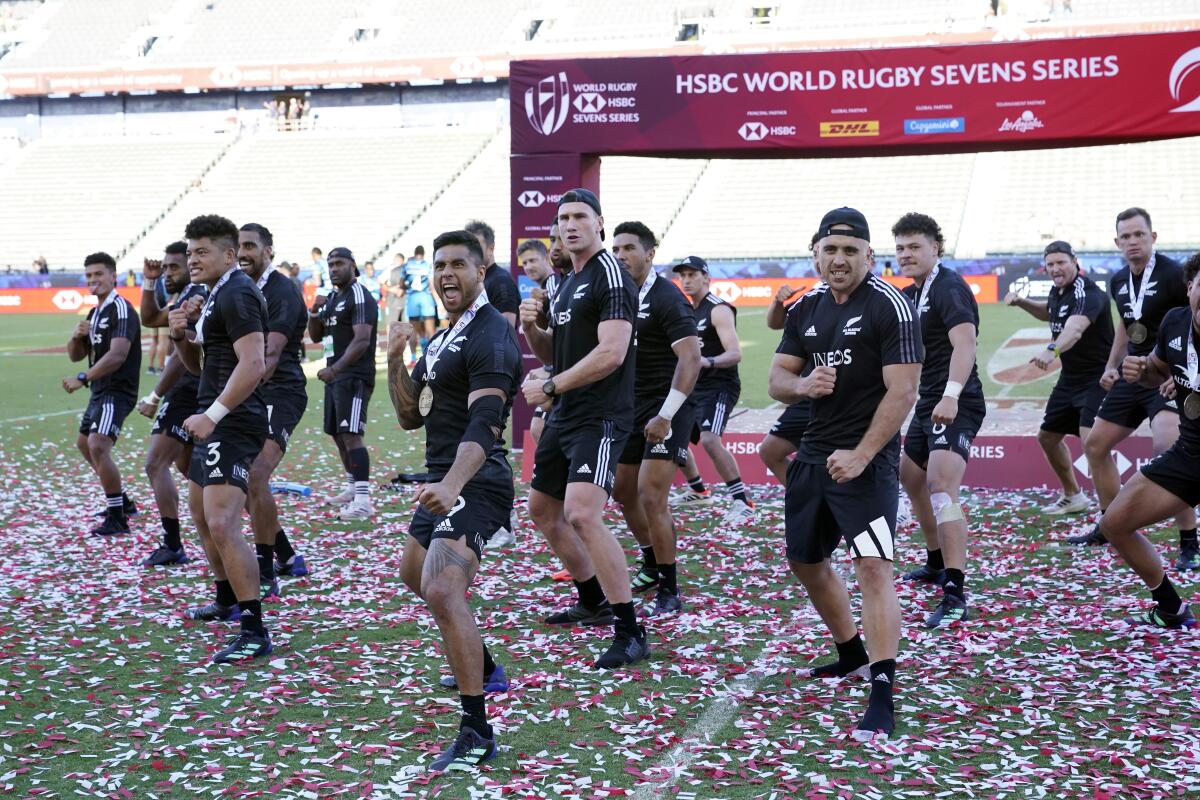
860 334
497 282
717 389
590 345
1145 289
350 316
1169 484
1081 332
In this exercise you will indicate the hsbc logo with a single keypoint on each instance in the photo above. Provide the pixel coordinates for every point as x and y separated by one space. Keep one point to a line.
1123 464
590 103
531 198
467 66
753 131
726 290
227 75
547 104
67 300
1185 65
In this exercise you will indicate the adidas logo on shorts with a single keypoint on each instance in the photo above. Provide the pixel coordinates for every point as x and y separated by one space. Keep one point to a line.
1176 343
216 473
584 470
343 424
444 525
940 440
812 331
659 448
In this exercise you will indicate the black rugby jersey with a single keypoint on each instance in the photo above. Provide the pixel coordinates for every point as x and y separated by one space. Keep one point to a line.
874 328
948 303
344 309
664 317
1085 362
235 309
599 292
188 385
1171 347
286 314
501 289
115 318
1166 290
483 355
710 345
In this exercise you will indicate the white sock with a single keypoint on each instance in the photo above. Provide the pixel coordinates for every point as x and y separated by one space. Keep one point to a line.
349 482
362 490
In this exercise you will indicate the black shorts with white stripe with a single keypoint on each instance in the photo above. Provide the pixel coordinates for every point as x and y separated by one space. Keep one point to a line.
346 406
582 454
819 512
105 413
712 411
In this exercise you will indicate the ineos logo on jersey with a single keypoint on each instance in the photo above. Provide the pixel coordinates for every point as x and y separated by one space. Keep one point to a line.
833 358
1184 66
547 104
562 317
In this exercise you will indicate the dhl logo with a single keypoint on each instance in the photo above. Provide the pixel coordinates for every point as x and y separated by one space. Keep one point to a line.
868 127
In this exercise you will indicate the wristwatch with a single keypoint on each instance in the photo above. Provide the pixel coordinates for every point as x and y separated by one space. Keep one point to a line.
548 388
82 378
712 362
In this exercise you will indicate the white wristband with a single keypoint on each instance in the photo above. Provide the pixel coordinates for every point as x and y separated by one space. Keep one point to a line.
216 412
152 398
675 399
953 389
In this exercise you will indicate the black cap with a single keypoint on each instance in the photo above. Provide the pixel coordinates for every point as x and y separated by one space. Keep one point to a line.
691 262
581 196
845 216
1059 247
344 252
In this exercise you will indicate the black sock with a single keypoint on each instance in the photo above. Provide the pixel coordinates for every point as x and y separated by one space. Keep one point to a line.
881 709
1167 598
1187 538
489 666
116 504
956 583
649 563
590 593
252 618
125 501
626 621
171 533
283 548
933 560
667 580
266 562
225 595
360 464
475 714
696 484
852 655
737 490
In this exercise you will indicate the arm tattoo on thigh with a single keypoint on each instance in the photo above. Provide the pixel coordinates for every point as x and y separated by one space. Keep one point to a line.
442 556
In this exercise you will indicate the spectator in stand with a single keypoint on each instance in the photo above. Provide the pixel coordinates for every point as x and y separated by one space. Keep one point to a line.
40 266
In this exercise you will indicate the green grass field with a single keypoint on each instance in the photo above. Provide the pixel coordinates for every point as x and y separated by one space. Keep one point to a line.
106 692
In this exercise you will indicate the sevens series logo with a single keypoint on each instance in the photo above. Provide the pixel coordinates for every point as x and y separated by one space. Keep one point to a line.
1185 65
547 104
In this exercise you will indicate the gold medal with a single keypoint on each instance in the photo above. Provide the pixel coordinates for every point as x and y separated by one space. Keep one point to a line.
1138 333
425 401
1191 406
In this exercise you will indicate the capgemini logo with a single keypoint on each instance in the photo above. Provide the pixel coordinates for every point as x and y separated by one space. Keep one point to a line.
1185 65
547 104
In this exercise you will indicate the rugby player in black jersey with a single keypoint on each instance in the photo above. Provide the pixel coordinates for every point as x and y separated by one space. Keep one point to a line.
498 282
350 315
717 390
861 335
590 346
230 331
534 258
110 339
1170 484
171 401
1081 335
668 362
460 392
949 412
1145 289
284 392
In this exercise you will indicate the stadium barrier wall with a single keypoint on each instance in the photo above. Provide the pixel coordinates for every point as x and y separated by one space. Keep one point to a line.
997 462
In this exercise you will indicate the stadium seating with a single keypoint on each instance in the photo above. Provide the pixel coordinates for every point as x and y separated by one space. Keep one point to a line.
74 34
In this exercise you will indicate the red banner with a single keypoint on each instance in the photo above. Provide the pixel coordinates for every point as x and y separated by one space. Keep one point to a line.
57 301
1005 95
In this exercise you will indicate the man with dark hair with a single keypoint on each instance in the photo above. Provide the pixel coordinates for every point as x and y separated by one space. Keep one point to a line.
590 346
320 268
668 362
1168 485
785 435
1145 289
717 390
949 413
350 316
284 392
171 401
861 334
230 331
417 291
111 340
498 283
460 391
1081 334
534 259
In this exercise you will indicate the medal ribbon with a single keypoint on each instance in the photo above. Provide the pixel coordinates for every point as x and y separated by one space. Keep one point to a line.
650 279
433 350
1137 299
204 309
928 285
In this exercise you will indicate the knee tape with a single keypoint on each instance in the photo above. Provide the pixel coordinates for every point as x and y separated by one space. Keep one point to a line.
945 509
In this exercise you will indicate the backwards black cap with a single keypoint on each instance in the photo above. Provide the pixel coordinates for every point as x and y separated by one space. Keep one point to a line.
845 217
1059 247
344 252
691 262
581 196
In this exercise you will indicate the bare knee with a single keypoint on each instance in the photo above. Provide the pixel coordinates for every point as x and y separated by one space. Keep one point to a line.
579 518
1049 441
1095 449
440 594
